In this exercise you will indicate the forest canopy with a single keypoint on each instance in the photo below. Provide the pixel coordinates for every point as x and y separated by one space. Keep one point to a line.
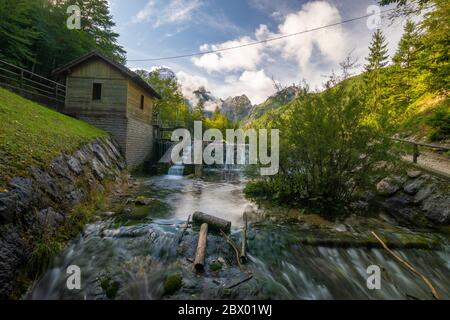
34 34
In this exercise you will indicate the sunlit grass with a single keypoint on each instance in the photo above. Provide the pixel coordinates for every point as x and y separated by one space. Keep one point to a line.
32 135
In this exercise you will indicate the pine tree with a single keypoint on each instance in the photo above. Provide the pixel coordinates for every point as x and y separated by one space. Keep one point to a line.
435 57
404 72
378 57
374 77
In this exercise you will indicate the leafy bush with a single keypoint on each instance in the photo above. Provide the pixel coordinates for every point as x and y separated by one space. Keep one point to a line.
440 122
331 143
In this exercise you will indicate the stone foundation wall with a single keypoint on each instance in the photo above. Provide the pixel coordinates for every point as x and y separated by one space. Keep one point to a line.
140 142
40 202
134 137
115 124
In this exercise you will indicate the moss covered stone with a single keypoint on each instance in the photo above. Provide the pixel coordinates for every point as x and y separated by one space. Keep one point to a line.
173 283
215 266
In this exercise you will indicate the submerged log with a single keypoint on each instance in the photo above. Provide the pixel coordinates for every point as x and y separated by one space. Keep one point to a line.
214 223
243 253
199 262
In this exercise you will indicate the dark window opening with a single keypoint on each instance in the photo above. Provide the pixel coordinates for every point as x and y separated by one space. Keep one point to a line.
97 91
142 102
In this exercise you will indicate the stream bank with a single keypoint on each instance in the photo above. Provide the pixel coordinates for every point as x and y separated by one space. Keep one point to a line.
41 212
133 252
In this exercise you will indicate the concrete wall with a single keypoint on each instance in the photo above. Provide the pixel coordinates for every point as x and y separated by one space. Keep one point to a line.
139 144
115 124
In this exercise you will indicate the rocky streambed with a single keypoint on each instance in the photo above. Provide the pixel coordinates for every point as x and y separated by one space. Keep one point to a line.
133 250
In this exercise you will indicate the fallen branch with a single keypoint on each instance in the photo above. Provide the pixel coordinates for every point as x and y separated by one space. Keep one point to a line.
184 229
214 223
409 267
243 254
233 246
241 282
199 262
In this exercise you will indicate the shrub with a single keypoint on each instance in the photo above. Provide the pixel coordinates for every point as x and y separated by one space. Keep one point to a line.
330 145
440 122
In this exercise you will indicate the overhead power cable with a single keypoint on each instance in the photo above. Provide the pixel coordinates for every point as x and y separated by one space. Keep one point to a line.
260 41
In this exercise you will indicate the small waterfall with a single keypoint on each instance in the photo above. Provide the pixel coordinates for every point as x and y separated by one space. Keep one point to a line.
178 168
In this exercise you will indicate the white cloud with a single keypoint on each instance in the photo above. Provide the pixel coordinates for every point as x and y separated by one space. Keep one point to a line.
246 58
176 11
145 12
331 43
329 46
190 83
255 84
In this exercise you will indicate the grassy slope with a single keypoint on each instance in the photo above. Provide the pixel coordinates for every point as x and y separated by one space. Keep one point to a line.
32 135
421 111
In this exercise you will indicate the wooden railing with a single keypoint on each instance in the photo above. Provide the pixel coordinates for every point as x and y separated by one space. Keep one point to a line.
169 125
29 83
416 145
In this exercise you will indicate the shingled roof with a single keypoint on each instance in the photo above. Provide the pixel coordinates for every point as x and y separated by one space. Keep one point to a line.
121 68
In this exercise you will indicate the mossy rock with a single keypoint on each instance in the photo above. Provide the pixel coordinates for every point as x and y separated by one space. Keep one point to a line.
173 283
215 266
142 201
109 286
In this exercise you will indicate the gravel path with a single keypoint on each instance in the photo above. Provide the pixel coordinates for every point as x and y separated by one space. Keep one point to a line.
432 160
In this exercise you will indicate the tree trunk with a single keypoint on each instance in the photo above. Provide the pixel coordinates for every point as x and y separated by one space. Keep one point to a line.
214 223
199 262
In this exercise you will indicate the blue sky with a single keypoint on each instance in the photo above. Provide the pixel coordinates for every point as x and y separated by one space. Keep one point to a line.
158 28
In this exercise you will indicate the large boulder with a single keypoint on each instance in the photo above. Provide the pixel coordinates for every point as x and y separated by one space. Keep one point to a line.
437 208
413 186
388 186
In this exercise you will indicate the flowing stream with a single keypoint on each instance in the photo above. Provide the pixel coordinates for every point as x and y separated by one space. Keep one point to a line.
130 255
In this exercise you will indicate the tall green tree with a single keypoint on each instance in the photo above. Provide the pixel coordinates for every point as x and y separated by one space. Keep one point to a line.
34 34
172 106
374 76
17 32
435 56
405 74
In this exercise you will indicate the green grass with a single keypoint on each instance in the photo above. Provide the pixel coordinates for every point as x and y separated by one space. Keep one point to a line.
428 118
32 135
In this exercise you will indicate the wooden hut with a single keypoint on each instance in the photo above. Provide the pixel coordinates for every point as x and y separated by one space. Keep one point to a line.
110 96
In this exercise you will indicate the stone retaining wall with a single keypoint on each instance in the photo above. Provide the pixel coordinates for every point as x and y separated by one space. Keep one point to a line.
40 202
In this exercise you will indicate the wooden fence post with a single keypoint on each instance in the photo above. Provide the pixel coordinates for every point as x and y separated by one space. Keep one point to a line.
21 79
416 153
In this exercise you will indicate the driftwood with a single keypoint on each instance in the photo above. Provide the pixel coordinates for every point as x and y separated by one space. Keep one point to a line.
214 223
241 282
243 253
233 246
408 266
184 229
199 262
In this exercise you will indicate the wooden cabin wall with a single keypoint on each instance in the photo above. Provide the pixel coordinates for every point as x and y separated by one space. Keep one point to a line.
134 103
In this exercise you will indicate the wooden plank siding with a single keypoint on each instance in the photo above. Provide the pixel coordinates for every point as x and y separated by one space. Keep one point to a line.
134 104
